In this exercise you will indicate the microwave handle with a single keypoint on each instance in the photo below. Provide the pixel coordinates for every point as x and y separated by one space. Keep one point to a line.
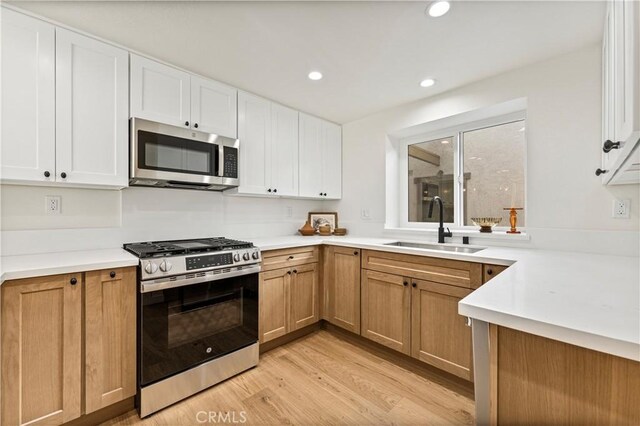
220 160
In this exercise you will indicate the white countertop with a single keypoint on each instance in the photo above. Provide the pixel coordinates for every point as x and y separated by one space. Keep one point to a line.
35 265
588 300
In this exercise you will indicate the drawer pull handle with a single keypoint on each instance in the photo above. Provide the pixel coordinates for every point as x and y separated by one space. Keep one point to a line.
112 274
73 281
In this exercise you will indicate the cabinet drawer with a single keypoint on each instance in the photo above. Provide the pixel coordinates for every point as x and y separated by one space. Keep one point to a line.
490 271
276 259
452 272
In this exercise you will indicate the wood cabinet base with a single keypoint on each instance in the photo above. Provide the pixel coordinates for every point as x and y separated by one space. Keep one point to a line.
543 381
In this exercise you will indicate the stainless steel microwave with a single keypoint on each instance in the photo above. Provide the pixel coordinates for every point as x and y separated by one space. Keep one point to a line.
174 157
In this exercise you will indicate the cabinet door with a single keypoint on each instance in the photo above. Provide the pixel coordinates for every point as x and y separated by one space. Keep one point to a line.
608 76
41 350
342 281
28 100
284 143
627 68
305 305
440 336
332 160
92 136
310 155
274 304
159 92
254 132
110 337
214 107
386 310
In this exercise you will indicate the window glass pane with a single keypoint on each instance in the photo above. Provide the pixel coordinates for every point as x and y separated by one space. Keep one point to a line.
431 174
494 172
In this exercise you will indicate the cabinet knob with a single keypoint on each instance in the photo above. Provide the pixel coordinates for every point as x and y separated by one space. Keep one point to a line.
288 272
112 274
489 271
195 125
63 175
405 283
325 194
186 123
295 271
275 190
46 173
414 285
600 172
321 194
609 145
269 190
73 281
355 253
290 258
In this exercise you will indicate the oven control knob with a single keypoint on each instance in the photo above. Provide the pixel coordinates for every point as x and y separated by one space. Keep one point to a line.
245 256
165 266
151 268
256 255
236 257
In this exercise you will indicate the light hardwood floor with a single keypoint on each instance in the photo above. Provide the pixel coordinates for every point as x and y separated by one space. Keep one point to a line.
324 379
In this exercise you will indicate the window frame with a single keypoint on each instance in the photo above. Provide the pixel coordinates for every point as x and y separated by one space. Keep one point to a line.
457 133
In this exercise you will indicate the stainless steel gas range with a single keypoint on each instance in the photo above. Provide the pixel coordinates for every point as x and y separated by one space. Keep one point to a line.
197 316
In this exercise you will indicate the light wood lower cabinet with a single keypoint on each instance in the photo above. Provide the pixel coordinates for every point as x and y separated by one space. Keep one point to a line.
289 300
42 345
110 338
342 287
41 350
440 336
386 313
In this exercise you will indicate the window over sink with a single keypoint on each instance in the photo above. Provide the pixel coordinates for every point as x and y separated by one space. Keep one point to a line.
477 168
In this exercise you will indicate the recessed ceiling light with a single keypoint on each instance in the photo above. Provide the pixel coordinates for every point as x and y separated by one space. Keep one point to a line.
315 75
438 8
428 82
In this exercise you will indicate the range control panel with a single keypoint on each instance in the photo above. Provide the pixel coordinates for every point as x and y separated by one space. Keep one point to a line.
209 261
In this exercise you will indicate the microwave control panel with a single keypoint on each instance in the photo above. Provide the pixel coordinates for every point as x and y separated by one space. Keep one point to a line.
230 162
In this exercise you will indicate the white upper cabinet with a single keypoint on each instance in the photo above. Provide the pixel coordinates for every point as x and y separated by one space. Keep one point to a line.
332 160
620 91
320 158
310 155
214 107
159 92
28 99
268 135
92 113
254 133
284 150
167 95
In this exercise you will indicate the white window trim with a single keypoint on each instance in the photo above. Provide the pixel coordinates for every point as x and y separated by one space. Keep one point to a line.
517 113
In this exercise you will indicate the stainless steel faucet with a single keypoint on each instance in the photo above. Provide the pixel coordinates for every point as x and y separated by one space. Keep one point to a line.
442 234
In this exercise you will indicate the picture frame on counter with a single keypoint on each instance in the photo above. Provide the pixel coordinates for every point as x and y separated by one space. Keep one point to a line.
317 219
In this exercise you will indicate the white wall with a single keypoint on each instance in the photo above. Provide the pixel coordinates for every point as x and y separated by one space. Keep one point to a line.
105 219
568 208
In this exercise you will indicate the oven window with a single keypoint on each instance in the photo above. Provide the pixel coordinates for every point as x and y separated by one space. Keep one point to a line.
186 326
173 154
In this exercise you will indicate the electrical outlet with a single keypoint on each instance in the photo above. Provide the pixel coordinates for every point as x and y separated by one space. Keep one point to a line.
365 214
621 209
289 211
52 204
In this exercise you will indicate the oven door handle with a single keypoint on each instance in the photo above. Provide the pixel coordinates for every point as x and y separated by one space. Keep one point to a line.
181 280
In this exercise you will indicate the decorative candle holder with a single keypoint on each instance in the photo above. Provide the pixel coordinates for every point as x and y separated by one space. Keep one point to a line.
513 219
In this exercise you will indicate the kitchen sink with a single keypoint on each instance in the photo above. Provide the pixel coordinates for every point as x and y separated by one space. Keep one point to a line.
441 247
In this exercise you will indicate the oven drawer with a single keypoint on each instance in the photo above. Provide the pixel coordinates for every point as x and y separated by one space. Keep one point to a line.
276 259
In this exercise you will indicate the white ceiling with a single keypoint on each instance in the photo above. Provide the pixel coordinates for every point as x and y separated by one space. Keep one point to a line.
372 54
